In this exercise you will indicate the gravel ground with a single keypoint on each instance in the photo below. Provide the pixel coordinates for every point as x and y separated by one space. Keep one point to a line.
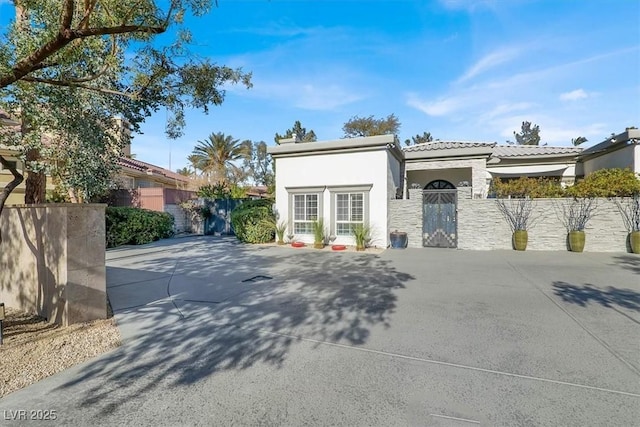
34 349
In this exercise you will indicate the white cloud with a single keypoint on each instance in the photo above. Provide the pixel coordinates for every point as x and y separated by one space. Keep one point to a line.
574 95
490 61
441 107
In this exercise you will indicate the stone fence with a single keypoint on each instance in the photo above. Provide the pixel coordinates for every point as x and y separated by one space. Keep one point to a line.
52 261
481 226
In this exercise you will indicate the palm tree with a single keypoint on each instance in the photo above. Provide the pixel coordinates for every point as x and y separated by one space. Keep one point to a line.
216 157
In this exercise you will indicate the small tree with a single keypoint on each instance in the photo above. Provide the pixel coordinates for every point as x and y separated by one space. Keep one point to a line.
369 126
528 135
579 140
419 139
300 132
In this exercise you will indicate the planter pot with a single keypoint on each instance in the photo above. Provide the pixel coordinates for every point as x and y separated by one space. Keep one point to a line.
398 239
281 242
520 239
359 248
318 245
634 241
576 241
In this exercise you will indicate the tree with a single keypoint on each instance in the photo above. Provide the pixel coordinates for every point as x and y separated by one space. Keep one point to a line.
301 134
217 157
185 171
98 59
368 126
260 164
579 140
419 139
528 135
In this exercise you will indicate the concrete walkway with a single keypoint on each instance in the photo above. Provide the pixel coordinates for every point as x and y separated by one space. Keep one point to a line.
219 333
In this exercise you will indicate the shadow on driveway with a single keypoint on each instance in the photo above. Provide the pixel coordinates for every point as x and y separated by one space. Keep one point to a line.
329 296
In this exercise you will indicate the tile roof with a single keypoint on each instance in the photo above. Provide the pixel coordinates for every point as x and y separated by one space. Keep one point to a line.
444 145
532 150
141 166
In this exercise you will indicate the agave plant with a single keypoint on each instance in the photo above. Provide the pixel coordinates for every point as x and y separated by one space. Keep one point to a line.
362 235
318 233
281 228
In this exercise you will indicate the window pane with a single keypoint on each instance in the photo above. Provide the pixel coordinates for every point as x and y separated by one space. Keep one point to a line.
298 209
342 207
302 228
357 207
312 207
343 229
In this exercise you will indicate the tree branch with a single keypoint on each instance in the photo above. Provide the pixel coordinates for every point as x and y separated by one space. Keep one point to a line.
81 85
6 191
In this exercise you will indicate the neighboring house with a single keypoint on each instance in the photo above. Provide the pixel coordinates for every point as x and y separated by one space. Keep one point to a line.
138 174
618 151
344 182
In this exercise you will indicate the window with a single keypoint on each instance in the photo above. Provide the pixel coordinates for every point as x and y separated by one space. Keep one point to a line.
349 212
305 211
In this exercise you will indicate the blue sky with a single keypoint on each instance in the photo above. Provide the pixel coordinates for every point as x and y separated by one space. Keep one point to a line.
465 70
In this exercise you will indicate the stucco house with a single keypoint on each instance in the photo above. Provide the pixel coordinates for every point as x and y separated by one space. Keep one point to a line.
351 181
618 151
344 182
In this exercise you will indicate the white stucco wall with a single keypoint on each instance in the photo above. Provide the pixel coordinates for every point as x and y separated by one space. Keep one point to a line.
627 157
339 169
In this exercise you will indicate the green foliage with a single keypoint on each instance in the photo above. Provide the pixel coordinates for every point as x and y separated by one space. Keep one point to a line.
362 234
528 135
579 140
281 228
88 62
318 231
527 187
301 134
260 163
217 157
222 191
135 226
419 139
607 183
369 126
253 220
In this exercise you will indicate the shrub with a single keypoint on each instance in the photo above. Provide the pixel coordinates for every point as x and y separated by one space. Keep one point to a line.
135 226
607 183
527 187
222 191
253 221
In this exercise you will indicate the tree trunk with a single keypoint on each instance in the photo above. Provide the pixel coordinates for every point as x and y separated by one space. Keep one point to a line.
34 191
6 191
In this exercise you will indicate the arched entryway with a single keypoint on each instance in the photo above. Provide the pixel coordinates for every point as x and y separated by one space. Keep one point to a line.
440 184
439 216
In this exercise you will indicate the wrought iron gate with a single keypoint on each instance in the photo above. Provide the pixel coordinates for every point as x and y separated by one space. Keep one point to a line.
439 218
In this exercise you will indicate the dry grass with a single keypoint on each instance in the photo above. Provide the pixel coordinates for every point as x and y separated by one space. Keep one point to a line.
34 349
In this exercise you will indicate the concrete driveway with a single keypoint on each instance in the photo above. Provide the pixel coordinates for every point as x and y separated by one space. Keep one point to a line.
219 333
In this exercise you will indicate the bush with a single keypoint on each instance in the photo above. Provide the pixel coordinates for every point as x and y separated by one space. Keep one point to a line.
527 187
133 226
607 183
253 221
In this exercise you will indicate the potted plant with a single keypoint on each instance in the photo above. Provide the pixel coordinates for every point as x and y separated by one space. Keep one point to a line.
318 233
281 228
518 214
362 235
629 208
576 213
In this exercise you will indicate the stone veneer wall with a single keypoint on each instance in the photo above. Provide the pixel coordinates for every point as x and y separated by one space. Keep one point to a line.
482 227
181 223
53 261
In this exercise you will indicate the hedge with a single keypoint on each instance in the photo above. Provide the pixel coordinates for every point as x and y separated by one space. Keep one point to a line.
253 221
134 226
